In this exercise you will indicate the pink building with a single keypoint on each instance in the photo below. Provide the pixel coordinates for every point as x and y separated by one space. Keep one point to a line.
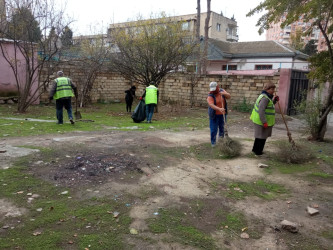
9 86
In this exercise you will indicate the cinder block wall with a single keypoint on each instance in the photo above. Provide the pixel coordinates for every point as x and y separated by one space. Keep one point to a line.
176 88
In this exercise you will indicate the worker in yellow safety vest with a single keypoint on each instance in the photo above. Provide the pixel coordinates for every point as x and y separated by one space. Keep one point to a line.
62 91
151 97
263 117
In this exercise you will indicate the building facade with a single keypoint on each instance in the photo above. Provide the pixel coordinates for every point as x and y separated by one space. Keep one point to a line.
284 35
221 27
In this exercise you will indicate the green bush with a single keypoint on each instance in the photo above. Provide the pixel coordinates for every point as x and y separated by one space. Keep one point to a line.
243 106
310 111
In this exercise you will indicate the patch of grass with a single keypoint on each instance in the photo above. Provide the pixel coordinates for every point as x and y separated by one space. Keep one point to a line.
61 218
105 116
259 188
198 206
328 234
321 175
287 168
173 221
232 221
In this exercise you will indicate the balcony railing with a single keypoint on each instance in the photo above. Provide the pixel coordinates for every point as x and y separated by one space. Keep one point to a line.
232 37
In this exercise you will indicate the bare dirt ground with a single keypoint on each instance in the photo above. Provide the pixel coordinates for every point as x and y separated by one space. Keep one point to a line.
114 162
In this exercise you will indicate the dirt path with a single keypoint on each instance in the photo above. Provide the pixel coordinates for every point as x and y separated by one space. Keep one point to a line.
191 179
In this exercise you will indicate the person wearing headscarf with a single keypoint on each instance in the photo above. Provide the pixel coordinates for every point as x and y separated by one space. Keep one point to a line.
263 117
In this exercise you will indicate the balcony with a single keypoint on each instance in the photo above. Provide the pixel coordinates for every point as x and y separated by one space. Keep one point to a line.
232 38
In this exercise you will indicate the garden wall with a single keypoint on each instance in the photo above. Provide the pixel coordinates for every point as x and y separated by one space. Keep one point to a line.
176 88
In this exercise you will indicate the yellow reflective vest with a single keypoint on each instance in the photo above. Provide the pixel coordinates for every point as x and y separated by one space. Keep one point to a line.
64 88
151 95
269 112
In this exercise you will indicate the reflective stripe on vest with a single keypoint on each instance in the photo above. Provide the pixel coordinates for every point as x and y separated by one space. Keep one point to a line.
64 88
269 112
151 95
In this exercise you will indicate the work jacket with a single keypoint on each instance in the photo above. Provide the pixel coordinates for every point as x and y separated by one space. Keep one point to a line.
151 95
269 112
64 88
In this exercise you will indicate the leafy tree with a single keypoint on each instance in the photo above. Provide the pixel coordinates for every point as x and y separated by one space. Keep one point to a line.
29 23
321 11
67 37
310 48
147 50
23 25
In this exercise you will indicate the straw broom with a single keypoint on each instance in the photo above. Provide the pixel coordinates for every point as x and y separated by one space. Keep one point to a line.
227 146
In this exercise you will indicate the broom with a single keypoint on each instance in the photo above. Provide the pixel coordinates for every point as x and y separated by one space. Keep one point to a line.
227 146
291 141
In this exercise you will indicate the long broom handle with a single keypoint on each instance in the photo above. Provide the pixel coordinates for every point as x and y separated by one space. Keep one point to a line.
288 132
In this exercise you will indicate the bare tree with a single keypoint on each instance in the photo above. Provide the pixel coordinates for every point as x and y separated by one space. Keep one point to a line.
93 54
26 27
205 54
147 50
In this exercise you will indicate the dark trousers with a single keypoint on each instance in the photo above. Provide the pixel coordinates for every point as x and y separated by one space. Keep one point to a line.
129 105
63 103
150 111
258 146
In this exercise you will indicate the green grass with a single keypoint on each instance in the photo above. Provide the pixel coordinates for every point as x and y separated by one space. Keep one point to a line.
105 116
321 175
259 188
289 168
173 222
61 218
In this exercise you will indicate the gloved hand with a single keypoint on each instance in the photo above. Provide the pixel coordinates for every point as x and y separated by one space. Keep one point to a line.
276 99
140 97
265 125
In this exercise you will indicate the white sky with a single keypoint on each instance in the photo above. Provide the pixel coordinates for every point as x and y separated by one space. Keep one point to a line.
100 13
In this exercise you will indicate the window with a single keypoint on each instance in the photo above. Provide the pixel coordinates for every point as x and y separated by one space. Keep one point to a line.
230 67
186 26
218 27
262 67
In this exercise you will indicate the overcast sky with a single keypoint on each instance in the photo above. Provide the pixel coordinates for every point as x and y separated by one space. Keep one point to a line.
100 13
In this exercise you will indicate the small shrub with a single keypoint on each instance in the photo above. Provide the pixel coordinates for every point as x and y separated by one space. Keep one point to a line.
310 111
243 106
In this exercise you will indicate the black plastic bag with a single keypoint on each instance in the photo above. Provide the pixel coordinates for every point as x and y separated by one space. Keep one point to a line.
139 113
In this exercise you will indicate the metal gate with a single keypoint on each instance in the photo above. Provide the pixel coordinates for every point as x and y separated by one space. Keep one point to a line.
298 89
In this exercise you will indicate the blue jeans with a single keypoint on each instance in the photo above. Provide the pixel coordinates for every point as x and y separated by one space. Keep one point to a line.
149 111
214 125
63 103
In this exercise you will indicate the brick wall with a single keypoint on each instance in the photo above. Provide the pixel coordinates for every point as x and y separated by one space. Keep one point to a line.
176 88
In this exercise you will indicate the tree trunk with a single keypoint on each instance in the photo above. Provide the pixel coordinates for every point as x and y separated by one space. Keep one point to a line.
205 54
328 104
198 70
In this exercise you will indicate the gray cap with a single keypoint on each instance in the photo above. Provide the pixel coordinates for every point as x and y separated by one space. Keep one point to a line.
212 86
60 73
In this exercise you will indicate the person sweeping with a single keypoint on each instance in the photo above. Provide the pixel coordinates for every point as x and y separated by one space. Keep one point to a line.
217 102
263 117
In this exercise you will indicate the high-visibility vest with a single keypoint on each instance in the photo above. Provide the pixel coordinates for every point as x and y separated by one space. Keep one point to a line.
64 88
269 112
151 94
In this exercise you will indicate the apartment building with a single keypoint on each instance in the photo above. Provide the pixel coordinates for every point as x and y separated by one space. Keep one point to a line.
221 27
276 33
